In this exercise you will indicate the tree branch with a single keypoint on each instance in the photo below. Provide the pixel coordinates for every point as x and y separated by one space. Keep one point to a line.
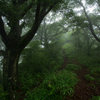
90 24
91 27
37 15
27 9
3 32
38 18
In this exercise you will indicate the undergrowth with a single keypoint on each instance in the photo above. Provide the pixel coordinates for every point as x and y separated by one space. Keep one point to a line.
72 67
89 78
95 98
2 93
54 87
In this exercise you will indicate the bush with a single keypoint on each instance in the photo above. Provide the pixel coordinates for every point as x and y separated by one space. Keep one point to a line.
88 61
95 98
72 67
95 71
89 78
2 93
54 87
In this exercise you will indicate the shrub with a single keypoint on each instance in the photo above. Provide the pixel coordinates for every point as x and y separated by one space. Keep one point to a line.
95 71
95 98
2 93
72 67
54 87
89 78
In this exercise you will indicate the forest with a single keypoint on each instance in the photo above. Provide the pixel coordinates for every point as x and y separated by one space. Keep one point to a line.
49 50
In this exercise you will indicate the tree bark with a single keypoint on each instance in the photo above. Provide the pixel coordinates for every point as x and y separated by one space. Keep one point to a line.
10 72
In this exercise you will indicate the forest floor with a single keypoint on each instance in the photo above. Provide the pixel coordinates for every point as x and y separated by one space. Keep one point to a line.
84 90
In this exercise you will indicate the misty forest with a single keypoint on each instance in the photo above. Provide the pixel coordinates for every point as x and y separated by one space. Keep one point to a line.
49 50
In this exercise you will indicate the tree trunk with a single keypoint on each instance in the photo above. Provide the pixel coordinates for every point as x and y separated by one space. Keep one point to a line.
10 72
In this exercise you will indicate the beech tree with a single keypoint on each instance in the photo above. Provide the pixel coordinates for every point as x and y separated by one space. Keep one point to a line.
16 12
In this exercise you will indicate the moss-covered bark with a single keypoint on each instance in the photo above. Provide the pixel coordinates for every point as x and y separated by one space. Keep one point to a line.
10 72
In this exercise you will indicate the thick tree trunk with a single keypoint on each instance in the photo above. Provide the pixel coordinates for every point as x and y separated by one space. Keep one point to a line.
10 72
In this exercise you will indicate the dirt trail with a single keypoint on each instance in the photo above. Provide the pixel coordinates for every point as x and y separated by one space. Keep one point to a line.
84 90
64 63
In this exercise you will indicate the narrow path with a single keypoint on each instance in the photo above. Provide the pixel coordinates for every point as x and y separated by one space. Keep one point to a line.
64 63
84 90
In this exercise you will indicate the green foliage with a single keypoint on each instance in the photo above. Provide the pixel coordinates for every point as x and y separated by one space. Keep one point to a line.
89 78
69 48
72 67
95 71
88 61
1 76
40 57
85 61
95 98
94 74
54 87
28 80
2 93
37 63
31 78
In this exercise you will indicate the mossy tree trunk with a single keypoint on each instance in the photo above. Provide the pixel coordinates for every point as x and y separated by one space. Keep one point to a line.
10 72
